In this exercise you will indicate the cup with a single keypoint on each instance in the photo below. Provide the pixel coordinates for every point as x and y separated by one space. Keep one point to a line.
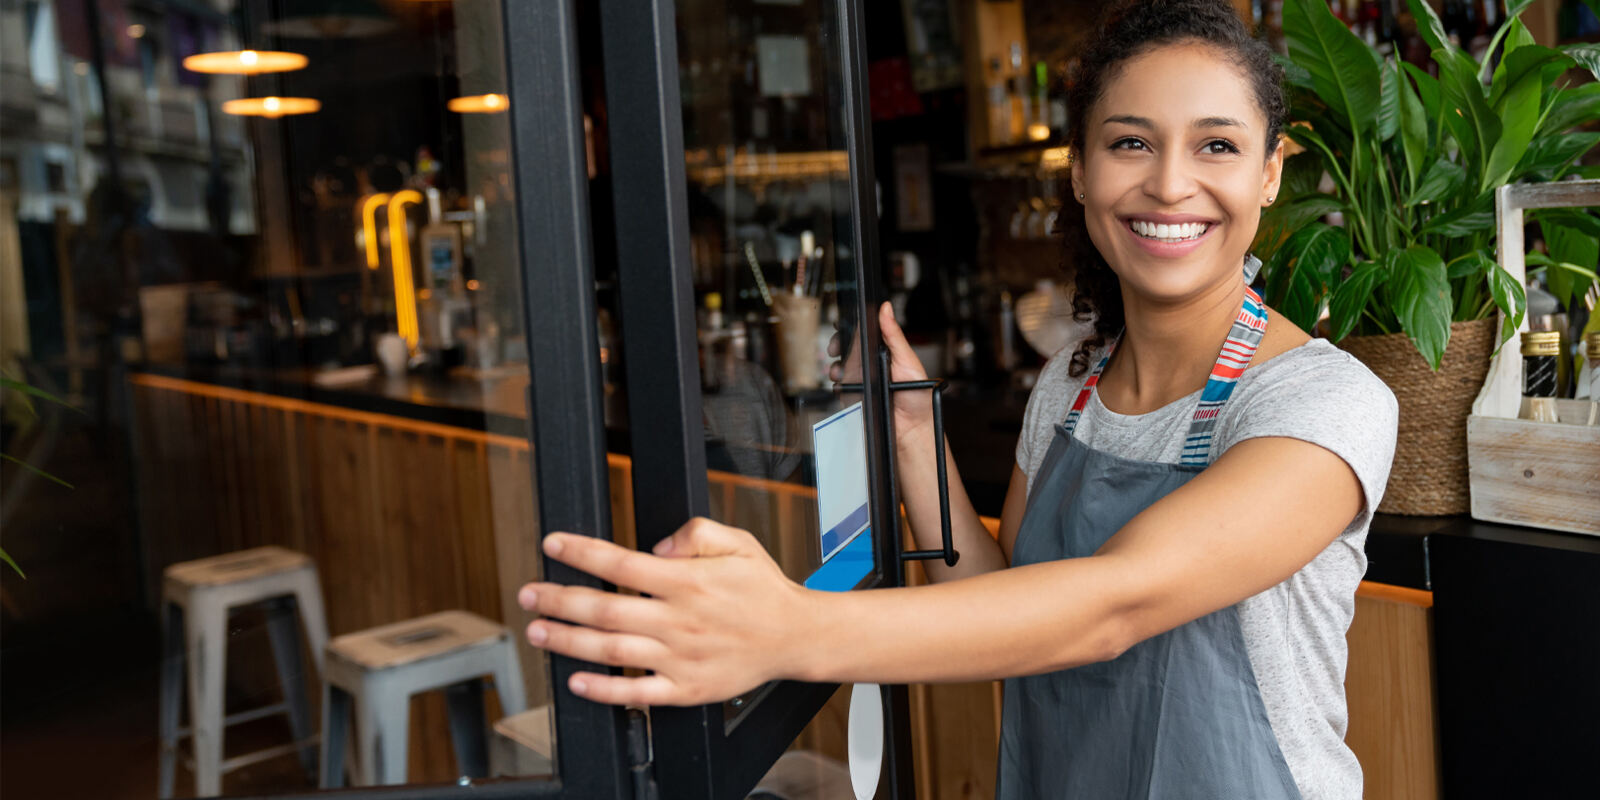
392 353
798 316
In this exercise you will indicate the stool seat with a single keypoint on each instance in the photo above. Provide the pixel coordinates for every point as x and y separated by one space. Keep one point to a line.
239 567
401 643
372 674
521 744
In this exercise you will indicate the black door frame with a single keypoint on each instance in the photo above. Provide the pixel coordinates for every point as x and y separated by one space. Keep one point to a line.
695 753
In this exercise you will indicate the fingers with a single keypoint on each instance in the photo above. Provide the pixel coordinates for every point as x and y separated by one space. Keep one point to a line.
614 564
833 345
597 609
650 690
701 537
900 351
597 647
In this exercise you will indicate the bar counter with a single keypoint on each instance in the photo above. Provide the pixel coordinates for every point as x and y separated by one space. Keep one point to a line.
982 425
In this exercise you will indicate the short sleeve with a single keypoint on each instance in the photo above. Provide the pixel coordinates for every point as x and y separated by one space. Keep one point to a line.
1330 400
1047 405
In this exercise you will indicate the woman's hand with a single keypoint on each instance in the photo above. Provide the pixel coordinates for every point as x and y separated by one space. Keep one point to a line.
913 411
721 619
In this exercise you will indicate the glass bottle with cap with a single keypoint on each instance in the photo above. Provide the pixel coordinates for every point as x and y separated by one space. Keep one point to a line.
1540 351
1592 343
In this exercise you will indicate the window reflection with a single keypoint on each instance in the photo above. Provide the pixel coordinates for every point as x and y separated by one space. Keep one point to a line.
264 254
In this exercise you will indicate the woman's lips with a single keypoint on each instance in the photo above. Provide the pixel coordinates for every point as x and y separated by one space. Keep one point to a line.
1168 249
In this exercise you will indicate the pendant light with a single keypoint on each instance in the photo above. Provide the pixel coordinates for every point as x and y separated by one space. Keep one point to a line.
244 62
271 107
479 104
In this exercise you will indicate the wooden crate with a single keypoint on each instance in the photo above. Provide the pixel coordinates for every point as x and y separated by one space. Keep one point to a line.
1546 475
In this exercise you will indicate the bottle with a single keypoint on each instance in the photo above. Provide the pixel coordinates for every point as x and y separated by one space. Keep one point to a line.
999 106
1540 350
1592 343
1021 114
1039 89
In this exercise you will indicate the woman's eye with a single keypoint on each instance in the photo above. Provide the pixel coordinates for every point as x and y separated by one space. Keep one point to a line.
1220 147
1127 144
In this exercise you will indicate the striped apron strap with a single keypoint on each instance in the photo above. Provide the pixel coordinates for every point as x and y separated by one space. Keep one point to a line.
1243 338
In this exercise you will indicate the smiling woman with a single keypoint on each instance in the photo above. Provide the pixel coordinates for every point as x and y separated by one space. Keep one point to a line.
1181 542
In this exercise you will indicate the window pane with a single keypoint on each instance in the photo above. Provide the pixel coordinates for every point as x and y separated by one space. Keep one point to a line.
262 258
775 279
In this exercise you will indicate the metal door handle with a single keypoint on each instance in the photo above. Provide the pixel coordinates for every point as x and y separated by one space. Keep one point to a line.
948 552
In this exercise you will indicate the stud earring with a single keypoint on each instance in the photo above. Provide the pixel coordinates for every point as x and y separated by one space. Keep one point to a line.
1271 198
1080 195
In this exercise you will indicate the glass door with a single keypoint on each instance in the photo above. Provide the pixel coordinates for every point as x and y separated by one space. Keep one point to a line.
742 208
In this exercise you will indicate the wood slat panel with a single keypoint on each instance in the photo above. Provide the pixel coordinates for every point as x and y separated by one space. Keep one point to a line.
1389 688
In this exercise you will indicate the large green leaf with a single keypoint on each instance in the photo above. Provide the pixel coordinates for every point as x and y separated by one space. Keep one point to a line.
1419 293
1293 74
1572 239
1443 179
1428 25
1550 153
1302 267
1519 115
1533 60
1413 126
1388 99
1578 220
1284 219
1510 298
1301 174
1342 70
1351 296
1474 124
1470 218
1575 106
1587 56
1515 7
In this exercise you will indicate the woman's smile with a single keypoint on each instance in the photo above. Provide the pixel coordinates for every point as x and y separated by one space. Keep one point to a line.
1170 235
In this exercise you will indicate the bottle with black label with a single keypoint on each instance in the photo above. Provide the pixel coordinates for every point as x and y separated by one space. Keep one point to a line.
1540 350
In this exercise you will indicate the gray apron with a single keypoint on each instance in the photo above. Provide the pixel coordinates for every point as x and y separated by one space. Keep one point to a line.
1178 715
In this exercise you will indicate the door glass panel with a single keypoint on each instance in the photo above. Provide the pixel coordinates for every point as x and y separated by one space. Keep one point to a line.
265 255
775 277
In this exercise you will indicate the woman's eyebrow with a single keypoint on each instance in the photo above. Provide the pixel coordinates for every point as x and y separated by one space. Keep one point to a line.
1203 122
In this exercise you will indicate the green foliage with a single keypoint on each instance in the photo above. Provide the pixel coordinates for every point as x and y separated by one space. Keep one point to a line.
25 393
1415 161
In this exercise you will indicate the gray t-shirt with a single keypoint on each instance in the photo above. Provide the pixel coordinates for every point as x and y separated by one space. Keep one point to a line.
1295 631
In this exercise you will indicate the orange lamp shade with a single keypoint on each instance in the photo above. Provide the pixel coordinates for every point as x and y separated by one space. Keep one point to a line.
479 104
244 62
271 106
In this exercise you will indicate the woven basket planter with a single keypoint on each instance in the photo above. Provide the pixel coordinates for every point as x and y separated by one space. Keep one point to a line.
1429 476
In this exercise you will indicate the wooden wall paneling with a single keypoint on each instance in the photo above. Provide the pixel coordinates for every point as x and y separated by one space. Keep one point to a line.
294 489
620 473
515 527
481 585
1390 693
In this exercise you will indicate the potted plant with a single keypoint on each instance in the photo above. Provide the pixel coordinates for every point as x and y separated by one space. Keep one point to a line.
1407 280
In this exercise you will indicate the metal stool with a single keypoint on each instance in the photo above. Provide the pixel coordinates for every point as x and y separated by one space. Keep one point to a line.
378 670
521 745
197 596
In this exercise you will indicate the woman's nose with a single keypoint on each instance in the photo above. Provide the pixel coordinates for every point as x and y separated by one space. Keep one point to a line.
1170 180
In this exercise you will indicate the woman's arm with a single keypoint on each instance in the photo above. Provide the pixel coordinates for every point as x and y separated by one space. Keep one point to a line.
724 620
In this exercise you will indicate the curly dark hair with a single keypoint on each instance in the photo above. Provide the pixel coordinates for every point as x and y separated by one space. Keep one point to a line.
1129 29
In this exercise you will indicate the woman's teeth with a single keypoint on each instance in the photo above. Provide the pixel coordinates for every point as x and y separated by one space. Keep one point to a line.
1168 233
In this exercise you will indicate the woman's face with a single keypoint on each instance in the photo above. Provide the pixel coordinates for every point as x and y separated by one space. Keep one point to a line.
1175 172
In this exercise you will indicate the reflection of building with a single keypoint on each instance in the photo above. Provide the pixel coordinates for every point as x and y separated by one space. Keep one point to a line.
52 114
